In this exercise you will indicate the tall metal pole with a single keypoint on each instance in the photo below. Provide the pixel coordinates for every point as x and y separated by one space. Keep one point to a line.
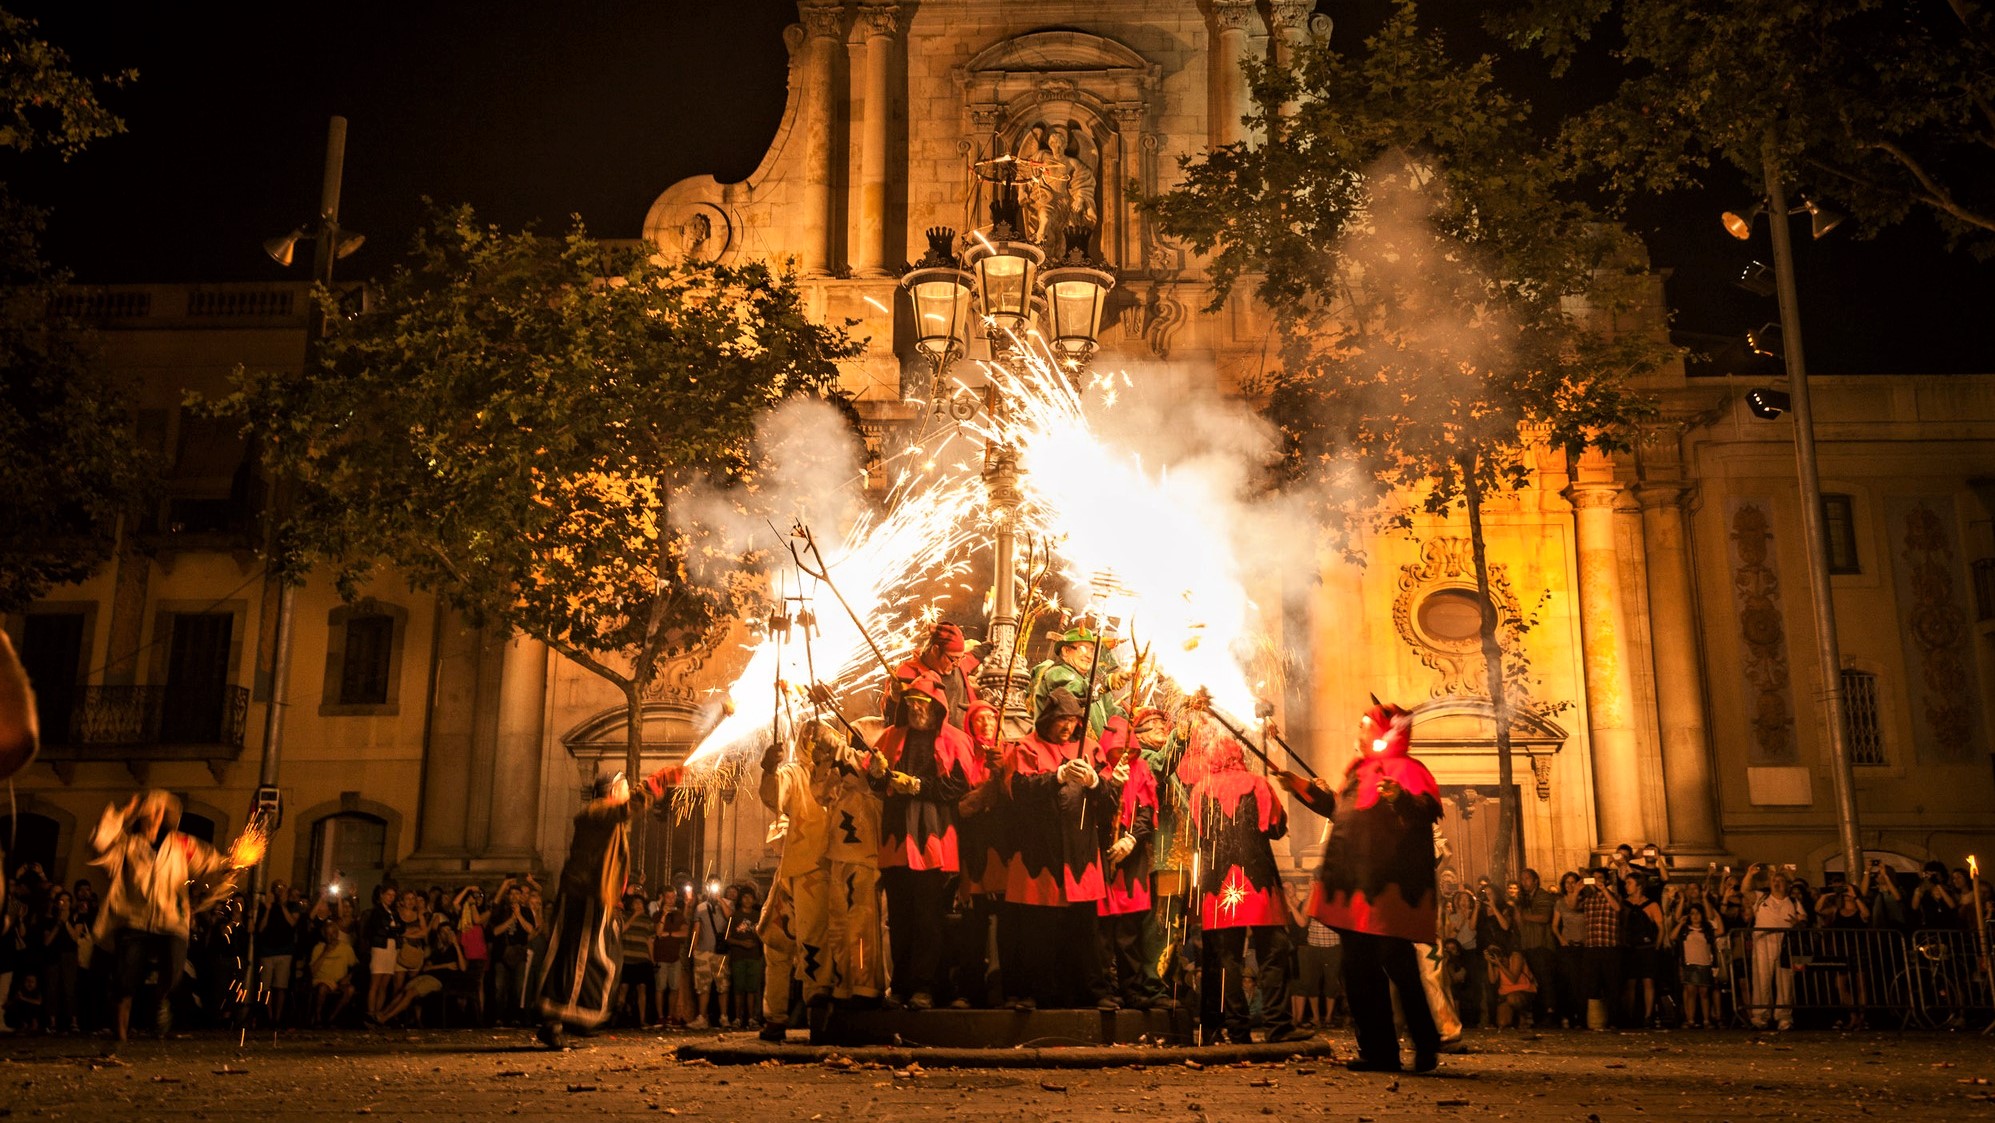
1842 778
324 247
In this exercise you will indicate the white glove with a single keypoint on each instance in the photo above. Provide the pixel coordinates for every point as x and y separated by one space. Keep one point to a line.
1121 773
1074 773
1122 848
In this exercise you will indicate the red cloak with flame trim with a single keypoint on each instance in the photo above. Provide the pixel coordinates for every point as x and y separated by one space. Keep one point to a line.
1057 831
1128 888
1378 866
1236 815
980 815
918 831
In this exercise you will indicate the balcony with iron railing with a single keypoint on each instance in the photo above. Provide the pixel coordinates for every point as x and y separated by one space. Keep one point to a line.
140 725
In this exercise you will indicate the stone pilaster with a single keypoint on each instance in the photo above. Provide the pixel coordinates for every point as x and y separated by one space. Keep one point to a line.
517 749
1289 21
1229 84
1686 745
823 22
882 26
1610 708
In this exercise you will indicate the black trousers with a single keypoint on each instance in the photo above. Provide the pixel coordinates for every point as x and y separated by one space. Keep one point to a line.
1124 944
1605 970
1373 967
916 903
1058 955
138 952
1226 974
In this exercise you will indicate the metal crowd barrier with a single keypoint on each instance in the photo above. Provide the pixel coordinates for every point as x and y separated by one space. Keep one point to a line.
1856 977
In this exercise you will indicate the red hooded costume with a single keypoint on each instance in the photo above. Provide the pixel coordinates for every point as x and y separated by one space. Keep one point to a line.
1057 831
918 831
1378 866
1236 815
980 814
1128 889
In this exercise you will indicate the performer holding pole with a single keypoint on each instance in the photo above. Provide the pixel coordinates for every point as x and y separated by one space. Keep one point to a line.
1376 885
574 985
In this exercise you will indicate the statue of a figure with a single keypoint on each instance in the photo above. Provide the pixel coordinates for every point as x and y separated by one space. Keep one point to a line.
1062 183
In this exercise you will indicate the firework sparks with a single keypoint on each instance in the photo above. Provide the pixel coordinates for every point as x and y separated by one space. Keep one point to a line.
881 565
1103 507
249 846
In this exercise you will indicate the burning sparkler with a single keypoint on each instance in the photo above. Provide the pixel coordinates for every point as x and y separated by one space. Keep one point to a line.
249 846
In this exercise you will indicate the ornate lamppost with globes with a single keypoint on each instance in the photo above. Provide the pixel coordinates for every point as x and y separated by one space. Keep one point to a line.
1002 281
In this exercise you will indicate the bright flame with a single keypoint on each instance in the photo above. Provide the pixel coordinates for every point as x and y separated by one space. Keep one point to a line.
1107 513
880 567
249 846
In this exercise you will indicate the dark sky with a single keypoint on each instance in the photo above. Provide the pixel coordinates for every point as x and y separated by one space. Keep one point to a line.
532 110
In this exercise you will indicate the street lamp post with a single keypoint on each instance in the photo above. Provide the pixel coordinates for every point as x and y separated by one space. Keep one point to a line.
328 246
1005 283
1842 777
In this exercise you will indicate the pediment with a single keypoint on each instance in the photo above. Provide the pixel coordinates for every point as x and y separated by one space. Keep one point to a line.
1459 724
1042 52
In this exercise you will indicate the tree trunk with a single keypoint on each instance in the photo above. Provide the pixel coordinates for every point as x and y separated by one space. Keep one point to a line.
1492 657
633 770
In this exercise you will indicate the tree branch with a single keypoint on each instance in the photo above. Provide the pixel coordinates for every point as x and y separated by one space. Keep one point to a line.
588 661
1936 195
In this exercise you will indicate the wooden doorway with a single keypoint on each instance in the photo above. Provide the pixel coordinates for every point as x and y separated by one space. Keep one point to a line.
1468 821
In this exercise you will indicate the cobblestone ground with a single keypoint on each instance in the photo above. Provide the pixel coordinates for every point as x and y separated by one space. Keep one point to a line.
492 1075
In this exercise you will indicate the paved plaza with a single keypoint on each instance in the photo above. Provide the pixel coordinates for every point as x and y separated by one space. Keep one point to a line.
493 1075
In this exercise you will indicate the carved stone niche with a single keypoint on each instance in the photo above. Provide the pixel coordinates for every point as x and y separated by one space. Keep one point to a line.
1077 106
1454 732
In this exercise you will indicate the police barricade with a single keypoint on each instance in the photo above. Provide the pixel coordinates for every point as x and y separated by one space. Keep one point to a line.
1822 978
1948 979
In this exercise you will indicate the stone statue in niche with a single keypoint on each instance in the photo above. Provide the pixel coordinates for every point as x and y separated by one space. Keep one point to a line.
1062 168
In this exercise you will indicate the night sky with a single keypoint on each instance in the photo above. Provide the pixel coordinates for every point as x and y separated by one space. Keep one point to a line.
533 111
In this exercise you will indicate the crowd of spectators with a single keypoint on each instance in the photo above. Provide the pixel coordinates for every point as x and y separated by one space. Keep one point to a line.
433 957
1627 944
1633 944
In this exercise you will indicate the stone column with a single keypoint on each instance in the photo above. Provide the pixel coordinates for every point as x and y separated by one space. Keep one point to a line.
823 23
882 24
1686 749
1610 689
1289 20
1229 84
517 749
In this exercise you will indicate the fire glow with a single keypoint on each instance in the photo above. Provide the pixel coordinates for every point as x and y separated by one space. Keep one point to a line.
1172 540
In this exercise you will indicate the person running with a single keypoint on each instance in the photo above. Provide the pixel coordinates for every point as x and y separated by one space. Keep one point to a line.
153 869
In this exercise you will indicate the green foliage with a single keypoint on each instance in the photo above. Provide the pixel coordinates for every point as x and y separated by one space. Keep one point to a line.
1436 296
1883 107
518 420
1442 307
45 104
68 466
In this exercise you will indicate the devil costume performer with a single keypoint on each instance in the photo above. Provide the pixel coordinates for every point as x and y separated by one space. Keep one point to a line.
1072 668
1237 815
927 771
1376 886
946 658
797 917
1124 908
577 970
1061 813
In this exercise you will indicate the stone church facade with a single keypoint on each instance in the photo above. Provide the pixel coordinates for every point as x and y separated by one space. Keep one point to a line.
1673 670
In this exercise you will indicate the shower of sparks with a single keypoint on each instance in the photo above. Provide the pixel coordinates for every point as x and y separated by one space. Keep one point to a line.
1160 550
248 847
882 565
1170 540
1231 896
